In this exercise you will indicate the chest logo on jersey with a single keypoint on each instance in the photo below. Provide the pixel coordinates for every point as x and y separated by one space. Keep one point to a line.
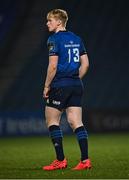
71 45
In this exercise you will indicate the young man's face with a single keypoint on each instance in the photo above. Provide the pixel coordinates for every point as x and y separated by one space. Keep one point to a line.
53 24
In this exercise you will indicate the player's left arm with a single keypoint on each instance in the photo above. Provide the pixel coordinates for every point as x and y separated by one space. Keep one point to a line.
51 71
84 65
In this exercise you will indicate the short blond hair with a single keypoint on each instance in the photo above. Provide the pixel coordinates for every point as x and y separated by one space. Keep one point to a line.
59 14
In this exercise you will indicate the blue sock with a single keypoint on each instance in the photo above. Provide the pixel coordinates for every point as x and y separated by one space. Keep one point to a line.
56 136
82 138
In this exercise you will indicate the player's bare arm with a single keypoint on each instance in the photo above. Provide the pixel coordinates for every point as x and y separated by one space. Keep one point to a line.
84 65
51 71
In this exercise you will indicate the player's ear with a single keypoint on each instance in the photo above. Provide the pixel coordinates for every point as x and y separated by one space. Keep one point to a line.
59 22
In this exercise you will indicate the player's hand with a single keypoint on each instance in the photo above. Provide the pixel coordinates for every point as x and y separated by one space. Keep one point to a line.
46 92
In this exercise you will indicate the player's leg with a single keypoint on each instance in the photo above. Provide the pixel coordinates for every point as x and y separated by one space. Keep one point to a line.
53 115
53 119
74 116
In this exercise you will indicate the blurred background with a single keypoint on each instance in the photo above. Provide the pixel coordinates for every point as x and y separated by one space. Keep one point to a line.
104 27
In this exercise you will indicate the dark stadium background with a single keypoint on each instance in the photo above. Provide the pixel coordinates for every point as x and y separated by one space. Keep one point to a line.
104 27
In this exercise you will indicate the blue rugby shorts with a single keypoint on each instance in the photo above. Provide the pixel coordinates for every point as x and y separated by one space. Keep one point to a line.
63 97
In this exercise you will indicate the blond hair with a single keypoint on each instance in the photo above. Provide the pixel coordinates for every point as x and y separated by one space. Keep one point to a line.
59 14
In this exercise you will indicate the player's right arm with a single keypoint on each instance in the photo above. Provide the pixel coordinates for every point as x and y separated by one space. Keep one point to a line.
52 66
84 65
51 71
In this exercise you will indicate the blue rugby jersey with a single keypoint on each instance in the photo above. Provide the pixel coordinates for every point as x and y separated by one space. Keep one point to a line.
68 47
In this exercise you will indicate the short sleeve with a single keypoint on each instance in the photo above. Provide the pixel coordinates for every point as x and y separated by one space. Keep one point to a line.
82 48
52 46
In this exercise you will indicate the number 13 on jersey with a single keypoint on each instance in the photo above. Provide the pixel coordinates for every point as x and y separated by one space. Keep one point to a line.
73 53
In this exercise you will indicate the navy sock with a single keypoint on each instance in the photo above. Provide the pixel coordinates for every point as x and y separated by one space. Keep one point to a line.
56 136
82 137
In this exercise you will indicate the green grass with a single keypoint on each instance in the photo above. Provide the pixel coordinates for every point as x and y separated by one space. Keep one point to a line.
23 157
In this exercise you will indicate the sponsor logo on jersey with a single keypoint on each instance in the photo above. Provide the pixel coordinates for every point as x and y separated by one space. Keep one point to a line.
71 45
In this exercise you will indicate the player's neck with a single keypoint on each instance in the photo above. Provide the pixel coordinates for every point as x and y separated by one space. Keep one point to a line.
60 29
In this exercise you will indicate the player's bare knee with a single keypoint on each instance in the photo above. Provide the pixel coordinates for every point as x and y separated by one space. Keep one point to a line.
51 122
70 119
71 125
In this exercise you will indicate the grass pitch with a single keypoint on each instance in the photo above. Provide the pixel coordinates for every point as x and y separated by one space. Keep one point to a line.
23 157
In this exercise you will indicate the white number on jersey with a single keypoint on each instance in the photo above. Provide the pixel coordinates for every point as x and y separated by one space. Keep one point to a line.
74 53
